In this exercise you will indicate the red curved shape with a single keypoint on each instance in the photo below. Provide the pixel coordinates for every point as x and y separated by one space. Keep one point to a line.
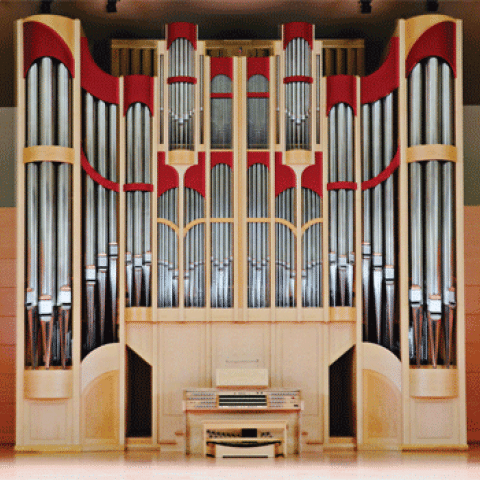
342 89
438 41
221 157
258 157
195 175
138 187
284 175
385 80
341 186
94 80
221 66
182 30
138 88
167 176
39 41
95 176
384 174
298 78
297 29
312 176
258 66
171 80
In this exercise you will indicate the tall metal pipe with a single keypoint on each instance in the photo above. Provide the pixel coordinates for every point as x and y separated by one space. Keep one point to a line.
432 210
377 237
448 258
47 298
90 228
32 292
112 218
333 206
367 235
416 218
64 291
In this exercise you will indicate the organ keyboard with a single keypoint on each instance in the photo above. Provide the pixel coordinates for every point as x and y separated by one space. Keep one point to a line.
241 399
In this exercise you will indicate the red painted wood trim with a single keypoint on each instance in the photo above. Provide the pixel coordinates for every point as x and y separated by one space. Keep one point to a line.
94 80
138 187
258 95
297 29
95 176
171 80
167 176
342 89
195 175
258 66
221 66
138 88
221 157
258 157
221 95
39 41
312 176
298 78
341 186
438 41
384 174
385 80
284 175
182 30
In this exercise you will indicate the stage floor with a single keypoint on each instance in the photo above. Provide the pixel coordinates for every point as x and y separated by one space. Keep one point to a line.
155 465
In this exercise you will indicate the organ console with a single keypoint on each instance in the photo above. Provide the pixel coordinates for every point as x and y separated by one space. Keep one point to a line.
254 204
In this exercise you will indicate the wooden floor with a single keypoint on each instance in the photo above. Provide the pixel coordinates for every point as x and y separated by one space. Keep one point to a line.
154 465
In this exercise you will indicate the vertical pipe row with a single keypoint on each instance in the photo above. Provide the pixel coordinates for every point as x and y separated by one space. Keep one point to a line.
100 237
341 254
194 250
167 251
297 95
432 295
285 249
138 245
181 94
312 267
258 239
379 239
48 298
222 237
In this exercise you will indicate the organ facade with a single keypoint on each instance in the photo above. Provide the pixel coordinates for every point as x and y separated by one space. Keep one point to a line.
258 204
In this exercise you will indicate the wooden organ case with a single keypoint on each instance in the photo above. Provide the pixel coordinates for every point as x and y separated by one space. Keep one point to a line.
255 204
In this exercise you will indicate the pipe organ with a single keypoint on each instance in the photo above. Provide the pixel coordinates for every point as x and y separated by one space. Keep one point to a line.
240 204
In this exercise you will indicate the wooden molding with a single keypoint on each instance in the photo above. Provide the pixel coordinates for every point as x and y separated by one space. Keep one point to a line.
425 153
49 153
